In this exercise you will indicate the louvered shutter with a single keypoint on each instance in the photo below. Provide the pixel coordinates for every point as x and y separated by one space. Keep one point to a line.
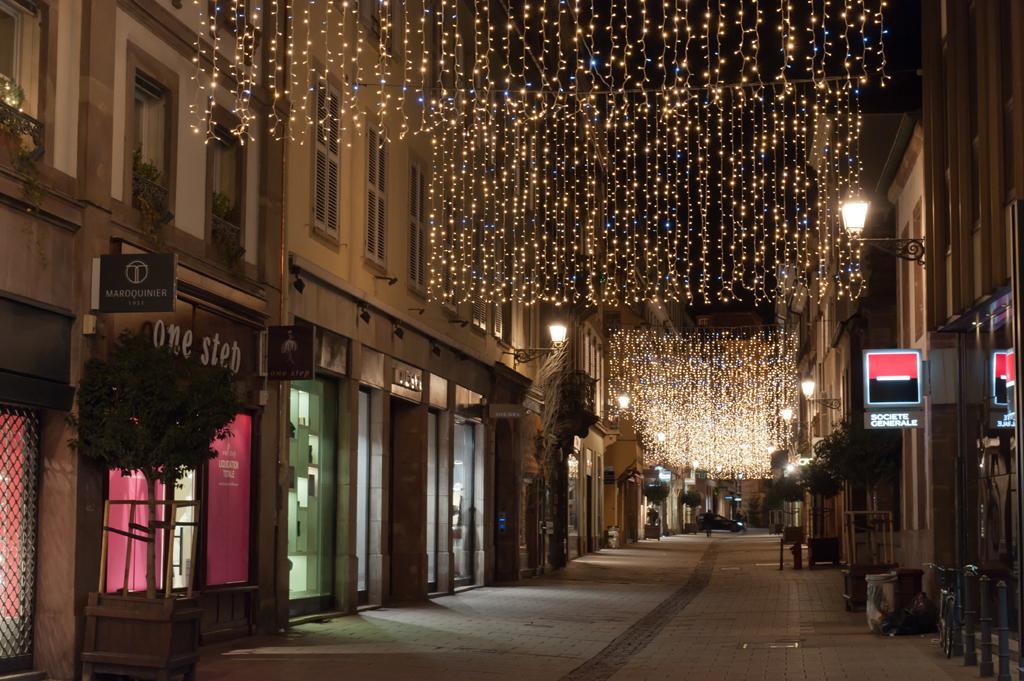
417 226
499 320
327 169
376 214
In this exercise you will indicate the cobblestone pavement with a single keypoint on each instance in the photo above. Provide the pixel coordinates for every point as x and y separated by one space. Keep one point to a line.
684 607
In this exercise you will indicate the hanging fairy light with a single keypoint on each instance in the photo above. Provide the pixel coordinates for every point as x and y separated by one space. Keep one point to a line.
709 398
608 152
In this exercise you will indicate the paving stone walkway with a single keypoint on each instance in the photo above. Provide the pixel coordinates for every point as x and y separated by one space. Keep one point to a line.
682 608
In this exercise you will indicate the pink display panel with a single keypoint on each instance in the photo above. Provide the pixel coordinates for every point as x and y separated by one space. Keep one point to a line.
227 506
125 488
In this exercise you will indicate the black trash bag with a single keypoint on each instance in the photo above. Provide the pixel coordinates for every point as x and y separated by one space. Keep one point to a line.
920 618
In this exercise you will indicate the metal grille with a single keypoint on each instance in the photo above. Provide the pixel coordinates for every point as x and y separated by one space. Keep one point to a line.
19 458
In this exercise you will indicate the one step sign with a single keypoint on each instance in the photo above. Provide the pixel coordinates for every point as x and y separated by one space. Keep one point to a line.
138 282
892 389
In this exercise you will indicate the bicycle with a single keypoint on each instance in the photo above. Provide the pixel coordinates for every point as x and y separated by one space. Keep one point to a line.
951 607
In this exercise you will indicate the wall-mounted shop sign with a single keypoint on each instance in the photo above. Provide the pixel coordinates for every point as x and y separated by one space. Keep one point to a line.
892 378
892 419
333 353
1000 375
505 411
1002 420
195 332
290 353
665 475
139 282
406 380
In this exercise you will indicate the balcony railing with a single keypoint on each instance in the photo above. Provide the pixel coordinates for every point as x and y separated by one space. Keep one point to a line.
21 126
152 200
227 239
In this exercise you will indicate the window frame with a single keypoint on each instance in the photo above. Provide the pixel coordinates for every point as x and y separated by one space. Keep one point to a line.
418 228
377 257
138 60
324 232
224 118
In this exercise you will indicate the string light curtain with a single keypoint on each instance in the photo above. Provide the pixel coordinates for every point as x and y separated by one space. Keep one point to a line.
590 150
708 398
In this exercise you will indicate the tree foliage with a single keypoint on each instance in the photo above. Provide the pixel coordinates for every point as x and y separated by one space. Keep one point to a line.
145 409
820 480
782 490
860 456
690 498
656 491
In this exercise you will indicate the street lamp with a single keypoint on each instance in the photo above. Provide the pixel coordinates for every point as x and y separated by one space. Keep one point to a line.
558 333
786 413
807 387
855 216
623 401
661 437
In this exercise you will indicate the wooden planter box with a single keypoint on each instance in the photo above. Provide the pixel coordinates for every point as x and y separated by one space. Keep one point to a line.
822 550
146 639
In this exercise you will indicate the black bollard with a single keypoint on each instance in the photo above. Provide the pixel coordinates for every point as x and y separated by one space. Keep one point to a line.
984 600
970 617
1003 629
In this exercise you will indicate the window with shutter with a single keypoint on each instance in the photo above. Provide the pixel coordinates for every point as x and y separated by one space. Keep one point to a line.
327 163
480 315
417 226
376 213
499 320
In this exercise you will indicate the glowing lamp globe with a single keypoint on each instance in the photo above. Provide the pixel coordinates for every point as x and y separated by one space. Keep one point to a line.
807 387
558 333
855 214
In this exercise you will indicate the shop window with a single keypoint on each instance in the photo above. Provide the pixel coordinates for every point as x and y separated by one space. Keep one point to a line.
311 510
433 471
462 499
19 464
376 213
363 456
225 511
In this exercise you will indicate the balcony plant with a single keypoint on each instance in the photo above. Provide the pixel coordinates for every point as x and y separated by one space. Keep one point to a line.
146 410
227 235
15 127
149 196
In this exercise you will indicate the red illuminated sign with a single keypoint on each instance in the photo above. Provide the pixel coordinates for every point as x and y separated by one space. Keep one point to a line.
1001 369
892 378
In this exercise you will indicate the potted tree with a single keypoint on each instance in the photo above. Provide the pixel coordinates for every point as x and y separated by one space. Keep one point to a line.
690 499
781 491
863 460
148 411
655 492
822 483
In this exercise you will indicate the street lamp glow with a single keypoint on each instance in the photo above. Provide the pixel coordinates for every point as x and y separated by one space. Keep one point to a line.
786 413
790 468
807 387
558 333
771 449
855 214
661 437
623 401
